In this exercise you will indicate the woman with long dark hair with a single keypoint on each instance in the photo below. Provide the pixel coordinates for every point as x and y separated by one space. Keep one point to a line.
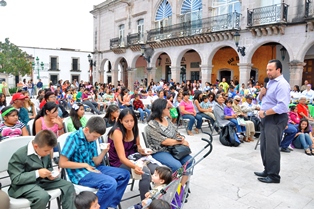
3 101
124 99
77 118
112 115
48 119
124 141
161 133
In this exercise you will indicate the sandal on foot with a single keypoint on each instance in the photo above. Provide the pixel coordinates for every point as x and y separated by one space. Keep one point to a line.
196 131
190 133
308 151
312 151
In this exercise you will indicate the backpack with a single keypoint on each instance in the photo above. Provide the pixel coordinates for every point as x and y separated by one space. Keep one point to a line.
229 137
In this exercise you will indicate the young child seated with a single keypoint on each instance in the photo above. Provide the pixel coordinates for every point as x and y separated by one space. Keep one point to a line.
206 105
230 115
161 178
30 171
86 200
294 116
11 126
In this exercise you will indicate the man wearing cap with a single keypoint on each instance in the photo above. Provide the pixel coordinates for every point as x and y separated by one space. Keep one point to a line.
18 103
308 92
251 110
274 118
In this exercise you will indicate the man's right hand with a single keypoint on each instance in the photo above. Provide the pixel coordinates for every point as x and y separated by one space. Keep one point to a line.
44 173
91 168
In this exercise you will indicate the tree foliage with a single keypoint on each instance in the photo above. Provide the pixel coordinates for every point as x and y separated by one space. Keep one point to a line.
13 60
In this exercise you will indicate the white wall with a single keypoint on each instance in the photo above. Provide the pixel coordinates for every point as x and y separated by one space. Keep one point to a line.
64 60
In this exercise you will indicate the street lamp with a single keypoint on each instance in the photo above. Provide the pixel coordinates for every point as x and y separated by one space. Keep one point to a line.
91 64
147 52
236 37
3 3
36 66
283 52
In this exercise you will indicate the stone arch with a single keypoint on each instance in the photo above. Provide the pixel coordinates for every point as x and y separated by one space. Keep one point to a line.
251 50
177 61
117 62
303 50
155 57
133 62
218 46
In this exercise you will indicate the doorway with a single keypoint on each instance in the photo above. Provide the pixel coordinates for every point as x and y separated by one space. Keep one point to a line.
225 74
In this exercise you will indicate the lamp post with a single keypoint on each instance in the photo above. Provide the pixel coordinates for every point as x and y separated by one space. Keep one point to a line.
236 37
37 66
91 64
147 52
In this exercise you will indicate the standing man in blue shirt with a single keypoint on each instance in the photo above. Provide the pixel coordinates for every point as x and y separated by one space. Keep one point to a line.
39 85
275 100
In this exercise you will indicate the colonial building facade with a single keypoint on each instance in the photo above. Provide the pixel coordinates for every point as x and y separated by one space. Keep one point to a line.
195 39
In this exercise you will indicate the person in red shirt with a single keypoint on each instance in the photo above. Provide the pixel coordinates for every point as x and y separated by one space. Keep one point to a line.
139 106
303 110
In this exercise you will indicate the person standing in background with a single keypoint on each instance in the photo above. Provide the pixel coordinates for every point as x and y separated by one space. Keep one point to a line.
39 85
275 98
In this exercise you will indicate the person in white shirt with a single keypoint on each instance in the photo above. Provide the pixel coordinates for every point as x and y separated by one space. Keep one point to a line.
295 94
309 93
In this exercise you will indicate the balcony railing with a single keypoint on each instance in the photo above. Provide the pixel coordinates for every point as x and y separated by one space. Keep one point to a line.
277 13
207 25
117 43
135 38
309 9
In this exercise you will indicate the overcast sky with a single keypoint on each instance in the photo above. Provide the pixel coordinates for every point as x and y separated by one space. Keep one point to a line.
48 23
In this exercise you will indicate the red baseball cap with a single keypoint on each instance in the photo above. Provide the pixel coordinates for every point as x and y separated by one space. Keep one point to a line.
18 96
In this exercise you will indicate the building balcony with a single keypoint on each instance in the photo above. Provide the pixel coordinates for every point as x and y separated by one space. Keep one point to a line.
134 40
118 45
309 14
198 31
268 20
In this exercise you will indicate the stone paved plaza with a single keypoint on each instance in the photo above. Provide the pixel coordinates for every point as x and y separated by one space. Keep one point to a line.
225 179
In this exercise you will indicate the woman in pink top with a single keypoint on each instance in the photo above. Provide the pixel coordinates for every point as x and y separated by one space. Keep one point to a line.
187 111
48 119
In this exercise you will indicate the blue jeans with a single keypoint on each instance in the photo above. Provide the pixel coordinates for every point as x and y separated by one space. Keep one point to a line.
289 136
203 115
303 141
111 184
167 159
192 119
142 113
240 129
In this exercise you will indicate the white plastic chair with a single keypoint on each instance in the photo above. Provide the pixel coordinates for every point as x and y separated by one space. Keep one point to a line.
7 148
30 127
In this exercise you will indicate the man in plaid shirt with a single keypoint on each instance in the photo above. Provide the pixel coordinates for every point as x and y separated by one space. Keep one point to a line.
139 106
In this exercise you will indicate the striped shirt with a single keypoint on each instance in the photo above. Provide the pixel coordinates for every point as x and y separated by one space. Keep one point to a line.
78 149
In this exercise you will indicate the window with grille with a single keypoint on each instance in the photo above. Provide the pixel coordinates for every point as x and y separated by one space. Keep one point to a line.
53 63
164 14
75 64
221 7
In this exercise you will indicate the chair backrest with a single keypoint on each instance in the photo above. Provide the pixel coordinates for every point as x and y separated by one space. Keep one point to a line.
9 146
62 140
29 127
65 122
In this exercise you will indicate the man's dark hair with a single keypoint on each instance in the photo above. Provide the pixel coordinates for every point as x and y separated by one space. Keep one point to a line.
45 138
48 94
96 124
84 200
277 63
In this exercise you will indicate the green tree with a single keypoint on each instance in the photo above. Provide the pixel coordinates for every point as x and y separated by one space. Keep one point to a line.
13 60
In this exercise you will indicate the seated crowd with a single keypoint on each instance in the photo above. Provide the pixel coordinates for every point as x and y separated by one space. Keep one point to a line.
162 105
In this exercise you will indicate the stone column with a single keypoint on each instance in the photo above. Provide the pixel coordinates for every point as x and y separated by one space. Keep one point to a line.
206 74
175 73
244 71
114 74
296 72
131 78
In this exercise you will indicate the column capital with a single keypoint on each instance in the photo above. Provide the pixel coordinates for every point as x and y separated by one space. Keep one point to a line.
175 67
245 65
297 63
114 70
206 66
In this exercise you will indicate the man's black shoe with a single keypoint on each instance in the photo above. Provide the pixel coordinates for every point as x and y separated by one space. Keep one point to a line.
285 150
260 174
268 180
